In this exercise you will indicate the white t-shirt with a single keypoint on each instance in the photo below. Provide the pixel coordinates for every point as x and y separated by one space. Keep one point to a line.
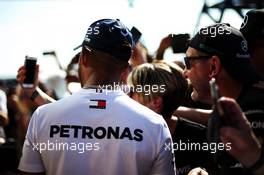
97 133
3 107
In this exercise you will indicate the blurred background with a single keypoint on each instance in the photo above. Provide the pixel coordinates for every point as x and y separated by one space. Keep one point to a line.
55 27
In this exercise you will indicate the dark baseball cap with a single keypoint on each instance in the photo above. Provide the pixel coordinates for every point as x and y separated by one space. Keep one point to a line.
253 25
229 44
109 36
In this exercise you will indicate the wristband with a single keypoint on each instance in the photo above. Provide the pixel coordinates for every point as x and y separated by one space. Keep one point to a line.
258 164
34 95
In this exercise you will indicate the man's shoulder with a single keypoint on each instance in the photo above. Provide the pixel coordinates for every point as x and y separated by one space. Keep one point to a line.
252 97
58 106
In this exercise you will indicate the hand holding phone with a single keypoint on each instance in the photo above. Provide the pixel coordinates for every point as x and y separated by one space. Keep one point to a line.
216 120
30 66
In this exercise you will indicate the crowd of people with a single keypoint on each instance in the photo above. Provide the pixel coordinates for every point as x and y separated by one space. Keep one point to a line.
139 114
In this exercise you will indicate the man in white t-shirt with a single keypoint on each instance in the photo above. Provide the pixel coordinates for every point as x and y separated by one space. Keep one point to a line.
98 130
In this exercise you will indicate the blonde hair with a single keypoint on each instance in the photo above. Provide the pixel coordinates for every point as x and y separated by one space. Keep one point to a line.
161 73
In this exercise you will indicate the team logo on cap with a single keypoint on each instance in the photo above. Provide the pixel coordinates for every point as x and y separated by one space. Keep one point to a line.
244 46
244 22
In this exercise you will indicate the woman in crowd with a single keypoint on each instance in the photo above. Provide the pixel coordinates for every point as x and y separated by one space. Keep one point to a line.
167 92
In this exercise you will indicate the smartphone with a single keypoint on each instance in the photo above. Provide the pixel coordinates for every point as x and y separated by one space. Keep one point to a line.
136 34
179 43
216 120
215 96
30 65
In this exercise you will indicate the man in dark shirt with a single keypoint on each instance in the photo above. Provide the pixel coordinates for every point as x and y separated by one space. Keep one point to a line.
220 51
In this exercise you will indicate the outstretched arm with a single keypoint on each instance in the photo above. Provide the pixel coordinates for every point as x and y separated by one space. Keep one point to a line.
35 93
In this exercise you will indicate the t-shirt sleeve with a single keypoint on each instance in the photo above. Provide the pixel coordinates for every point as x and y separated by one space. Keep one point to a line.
164 163
31 158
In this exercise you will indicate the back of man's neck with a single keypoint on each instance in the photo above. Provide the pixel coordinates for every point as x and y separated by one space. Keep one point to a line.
100 81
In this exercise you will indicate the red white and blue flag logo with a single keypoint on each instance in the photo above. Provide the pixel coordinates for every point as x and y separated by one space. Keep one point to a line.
97 104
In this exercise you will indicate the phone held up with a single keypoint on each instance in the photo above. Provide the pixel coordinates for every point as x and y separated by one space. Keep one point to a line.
136 34
30 65
179 42
216 120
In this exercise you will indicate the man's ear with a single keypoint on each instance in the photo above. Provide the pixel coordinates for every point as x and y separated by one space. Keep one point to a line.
83 60
215 66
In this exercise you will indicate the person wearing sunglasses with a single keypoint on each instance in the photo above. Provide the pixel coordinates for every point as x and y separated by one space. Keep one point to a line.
224 55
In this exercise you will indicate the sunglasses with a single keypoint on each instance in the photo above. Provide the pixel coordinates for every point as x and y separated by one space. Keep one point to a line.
187 60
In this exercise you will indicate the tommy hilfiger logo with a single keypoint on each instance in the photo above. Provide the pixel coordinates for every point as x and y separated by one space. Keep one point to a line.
97 104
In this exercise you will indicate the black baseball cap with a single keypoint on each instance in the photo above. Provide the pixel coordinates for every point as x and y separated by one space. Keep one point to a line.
253 25
229 44
109 36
